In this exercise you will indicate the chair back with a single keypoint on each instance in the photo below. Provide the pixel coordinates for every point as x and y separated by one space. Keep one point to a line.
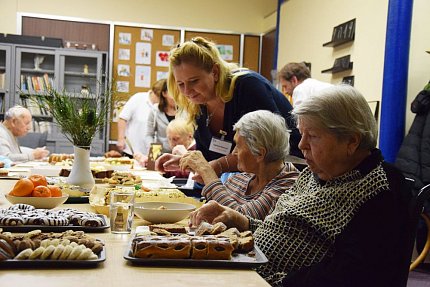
33 140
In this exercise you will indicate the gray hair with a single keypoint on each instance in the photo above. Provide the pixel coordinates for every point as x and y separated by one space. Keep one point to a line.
342 110
264 129
15 112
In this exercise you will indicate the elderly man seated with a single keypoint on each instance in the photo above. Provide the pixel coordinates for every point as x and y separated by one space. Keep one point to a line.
17 123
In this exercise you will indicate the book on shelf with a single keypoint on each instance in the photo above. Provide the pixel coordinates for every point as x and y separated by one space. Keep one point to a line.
2 80
31 104
34 84
41 126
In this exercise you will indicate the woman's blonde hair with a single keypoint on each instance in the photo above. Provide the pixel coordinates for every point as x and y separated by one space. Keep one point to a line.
181 126
205 55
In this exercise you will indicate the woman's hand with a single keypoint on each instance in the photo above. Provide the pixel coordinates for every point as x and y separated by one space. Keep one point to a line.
141 158
194 161
179 150
213 212
167 162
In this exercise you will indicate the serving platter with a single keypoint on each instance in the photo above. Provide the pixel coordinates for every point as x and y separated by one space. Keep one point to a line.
238 260
48 228
77 199
13 263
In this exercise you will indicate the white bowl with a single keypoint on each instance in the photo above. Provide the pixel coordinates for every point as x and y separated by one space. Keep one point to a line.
38 202
173 212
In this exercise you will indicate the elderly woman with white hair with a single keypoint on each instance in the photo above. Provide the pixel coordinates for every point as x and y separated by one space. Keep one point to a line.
345 220
261 139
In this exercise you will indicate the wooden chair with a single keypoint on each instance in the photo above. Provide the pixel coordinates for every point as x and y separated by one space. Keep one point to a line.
422 196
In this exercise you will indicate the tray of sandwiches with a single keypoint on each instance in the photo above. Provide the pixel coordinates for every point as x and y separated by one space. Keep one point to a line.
207 246
38 249
23 218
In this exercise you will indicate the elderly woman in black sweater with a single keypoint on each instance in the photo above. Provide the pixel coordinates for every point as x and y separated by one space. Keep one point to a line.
341 224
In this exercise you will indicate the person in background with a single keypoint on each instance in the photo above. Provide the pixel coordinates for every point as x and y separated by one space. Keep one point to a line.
157 122
180 137
346 212
133 120
215 94
261 146
179 134
296 81
17 123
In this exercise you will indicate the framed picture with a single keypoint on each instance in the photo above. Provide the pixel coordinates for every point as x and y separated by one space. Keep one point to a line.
348 80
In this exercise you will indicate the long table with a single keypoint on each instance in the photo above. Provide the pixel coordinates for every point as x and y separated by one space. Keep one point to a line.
116 271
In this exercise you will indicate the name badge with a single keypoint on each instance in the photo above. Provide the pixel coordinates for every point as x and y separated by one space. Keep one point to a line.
220 146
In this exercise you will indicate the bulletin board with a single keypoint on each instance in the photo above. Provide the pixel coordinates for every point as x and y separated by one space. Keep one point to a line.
140 57
251 54
228 44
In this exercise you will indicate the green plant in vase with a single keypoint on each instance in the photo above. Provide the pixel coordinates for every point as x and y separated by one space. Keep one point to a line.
80 117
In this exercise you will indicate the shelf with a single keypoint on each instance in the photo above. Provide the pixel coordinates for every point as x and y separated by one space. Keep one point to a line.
42 117
80 74
337 43
41 71
334 70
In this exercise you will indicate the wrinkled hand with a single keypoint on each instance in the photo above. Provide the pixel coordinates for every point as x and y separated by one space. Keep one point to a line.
194 161
40 152
213 212
179 150
167 162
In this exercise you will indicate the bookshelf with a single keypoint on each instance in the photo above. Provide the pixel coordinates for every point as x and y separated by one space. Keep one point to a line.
29 71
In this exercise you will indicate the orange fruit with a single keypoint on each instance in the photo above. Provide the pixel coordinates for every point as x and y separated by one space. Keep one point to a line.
41 191
38 180
55 191
23 187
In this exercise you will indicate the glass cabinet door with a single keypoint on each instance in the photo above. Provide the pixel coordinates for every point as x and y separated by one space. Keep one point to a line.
5 77
34 76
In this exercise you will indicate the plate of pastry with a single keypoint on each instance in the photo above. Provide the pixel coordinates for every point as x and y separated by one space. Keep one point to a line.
208 246
37 249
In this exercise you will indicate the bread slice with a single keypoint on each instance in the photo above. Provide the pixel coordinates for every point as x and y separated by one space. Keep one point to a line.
172 228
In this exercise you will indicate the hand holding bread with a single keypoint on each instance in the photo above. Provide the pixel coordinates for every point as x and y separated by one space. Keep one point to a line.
213 212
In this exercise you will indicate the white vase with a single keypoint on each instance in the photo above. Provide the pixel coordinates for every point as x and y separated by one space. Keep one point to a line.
81 172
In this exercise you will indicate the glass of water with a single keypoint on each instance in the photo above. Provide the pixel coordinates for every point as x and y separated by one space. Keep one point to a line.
121 210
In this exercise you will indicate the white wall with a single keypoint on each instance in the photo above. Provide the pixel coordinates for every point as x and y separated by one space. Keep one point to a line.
242 16
306 24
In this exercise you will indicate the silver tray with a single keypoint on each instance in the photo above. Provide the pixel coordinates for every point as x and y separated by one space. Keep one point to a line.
13 263
45 228
238 260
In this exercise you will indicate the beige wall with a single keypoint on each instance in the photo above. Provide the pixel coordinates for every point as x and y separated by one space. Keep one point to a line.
307 24
242 16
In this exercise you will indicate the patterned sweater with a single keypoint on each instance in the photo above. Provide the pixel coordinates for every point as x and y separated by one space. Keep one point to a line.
257 205
306 221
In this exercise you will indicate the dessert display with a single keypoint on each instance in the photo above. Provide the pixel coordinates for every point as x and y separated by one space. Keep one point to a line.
24 214
118 160
4 172
164 243
35 245
123 178
59 158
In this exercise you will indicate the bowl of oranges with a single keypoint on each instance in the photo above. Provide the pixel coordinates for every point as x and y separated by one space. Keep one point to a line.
35 191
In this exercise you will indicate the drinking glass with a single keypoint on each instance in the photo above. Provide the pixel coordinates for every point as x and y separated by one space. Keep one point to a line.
121 210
